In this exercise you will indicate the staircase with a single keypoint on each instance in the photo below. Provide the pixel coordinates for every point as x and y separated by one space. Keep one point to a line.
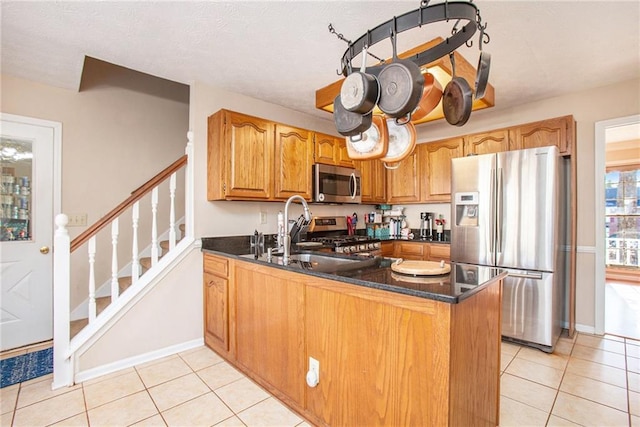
125 285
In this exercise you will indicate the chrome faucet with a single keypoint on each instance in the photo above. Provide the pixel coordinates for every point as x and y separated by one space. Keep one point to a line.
287 237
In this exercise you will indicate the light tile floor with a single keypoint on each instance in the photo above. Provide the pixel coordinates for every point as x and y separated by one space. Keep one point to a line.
588 381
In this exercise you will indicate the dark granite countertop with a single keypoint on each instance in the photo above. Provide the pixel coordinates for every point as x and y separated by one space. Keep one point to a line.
373 272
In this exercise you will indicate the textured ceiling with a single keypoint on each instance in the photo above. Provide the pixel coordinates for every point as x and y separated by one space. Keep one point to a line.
281 51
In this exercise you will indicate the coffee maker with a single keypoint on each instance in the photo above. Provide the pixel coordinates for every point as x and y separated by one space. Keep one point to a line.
426 225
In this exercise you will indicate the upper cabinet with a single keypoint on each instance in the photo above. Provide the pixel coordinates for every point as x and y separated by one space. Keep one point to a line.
435 158
558 132
293 161
332 150
487 142
250 158
372 181
403 183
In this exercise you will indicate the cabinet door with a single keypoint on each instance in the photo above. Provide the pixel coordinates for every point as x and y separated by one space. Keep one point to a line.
216 303
324 149
556 132
293 161
341 154
372 181
488 142
436 160
411 250
386 249
249 144
439 252
270 327
403 184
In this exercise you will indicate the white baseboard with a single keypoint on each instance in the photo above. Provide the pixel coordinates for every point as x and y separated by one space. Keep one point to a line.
136 360
585 329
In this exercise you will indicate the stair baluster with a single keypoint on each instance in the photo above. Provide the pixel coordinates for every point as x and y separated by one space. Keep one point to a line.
92 279
172 211
115 288
154 226
135 261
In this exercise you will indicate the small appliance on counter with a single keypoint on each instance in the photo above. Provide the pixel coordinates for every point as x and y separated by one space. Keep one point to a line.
426 225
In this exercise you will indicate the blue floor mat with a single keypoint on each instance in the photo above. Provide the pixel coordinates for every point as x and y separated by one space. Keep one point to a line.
26 366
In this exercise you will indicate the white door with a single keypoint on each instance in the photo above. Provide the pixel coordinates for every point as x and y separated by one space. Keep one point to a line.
26 230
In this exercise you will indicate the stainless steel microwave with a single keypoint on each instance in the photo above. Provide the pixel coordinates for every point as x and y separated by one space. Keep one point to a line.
335 184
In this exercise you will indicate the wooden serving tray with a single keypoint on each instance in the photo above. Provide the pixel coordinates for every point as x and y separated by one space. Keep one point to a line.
421 268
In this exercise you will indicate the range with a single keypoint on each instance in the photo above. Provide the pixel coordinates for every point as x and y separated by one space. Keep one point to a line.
333 231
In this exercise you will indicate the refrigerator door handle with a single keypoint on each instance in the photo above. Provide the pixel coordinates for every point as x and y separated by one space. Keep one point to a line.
534 276
499 209
492 228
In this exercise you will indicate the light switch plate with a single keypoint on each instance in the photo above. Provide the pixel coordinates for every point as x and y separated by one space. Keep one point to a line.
263 217
77 220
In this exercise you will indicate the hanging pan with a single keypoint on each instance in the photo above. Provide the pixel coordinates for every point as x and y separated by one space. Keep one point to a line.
349 123
457 98
374 142
401 84
402 142
360 91
431 96
484 62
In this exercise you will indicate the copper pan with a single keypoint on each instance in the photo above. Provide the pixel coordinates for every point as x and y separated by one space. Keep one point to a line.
431 96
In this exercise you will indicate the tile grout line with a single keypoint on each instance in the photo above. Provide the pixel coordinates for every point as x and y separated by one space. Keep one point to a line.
564 371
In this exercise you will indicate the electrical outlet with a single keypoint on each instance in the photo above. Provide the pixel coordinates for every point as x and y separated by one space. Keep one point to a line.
77 220
313 375
263 217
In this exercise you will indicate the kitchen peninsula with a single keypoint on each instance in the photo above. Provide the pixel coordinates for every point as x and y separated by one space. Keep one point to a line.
392 349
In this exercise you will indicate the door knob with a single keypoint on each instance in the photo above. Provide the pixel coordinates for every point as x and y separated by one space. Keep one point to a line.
44 250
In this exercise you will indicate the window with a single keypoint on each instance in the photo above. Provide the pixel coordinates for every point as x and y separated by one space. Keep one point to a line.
622 194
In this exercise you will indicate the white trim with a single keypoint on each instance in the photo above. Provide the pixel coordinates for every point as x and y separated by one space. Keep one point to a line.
82 310
599 172
114 312
586 249
137 360
586 329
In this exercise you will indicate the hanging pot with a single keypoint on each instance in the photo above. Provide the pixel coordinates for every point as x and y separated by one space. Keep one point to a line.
349 123
431 96
402 141
482 73
457 98
401 84
374 142
360 91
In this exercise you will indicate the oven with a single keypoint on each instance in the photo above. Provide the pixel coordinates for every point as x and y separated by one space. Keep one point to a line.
332 232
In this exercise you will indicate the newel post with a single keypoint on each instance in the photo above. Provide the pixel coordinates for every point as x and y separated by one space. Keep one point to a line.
62 365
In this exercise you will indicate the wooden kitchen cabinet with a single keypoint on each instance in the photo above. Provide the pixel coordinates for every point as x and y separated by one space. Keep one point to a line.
495 141
216 302
332 150
293 162
411 250
558 131
250 158
240 157
403 183
439 252
270 328
372 181
436 166
387 248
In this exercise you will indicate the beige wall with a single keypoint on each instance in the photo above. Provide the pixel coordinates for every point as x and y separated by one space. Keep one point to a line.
114 139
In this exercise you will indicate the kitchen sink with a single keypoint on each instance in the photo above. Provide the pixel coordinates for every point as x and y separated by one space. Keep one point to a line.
317 262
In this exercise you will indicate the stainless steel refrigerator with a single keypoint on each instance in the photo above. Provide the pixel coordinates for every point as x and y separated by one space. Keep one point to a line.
505 213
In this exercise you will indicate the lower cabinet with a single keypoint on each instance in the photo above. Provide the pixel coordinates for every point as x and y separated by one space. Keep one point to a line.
421 251
270 328
216 302
384 359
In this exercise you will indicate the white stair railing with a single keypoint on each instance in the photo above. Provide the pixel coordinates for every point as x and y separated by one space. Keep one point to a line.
64 346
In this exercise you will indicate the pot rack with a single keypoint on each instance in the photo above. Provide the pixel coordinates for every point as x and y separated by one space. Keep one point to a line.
424 15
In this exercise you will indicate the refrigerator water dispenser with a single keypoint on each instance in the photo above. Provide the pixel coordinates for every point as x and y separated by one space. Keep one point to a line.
466 209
